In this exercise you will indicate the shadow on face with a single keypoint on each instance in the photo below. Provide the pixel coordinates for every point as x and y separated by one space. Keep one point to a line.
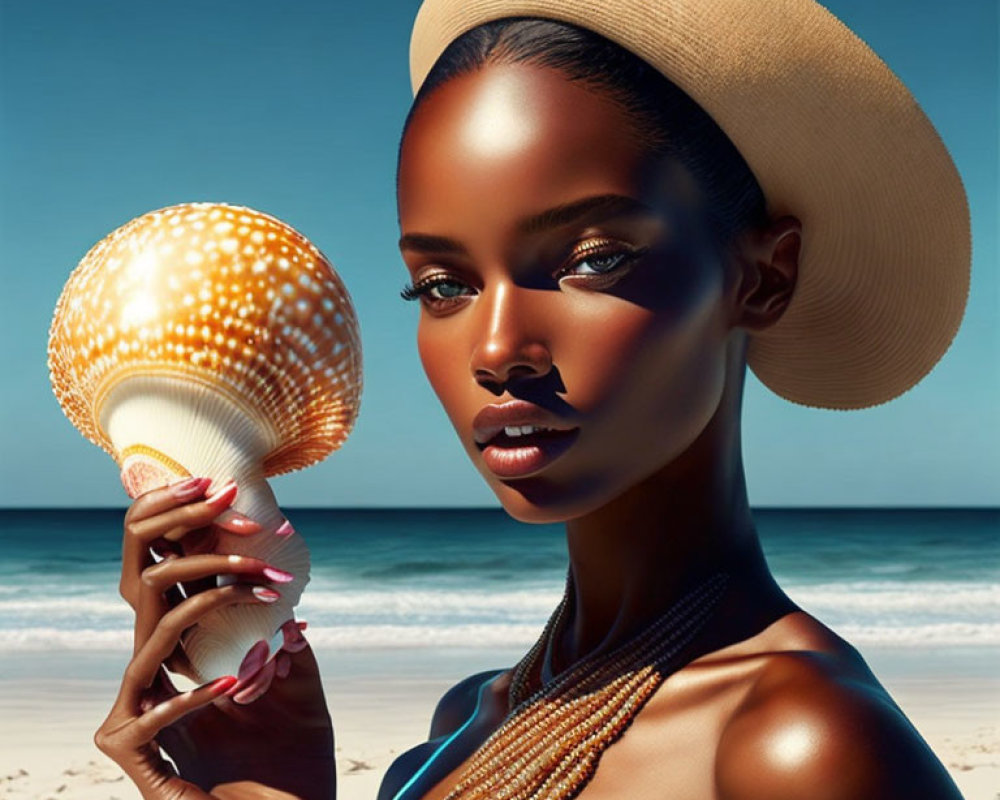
561 264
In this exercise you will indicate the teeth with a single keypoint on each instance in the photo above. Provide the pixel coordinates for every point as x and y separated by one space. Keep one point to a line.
521 430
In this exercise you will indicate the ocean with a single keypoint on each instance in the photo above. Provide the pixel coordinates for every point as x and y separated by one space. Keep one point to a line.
441 578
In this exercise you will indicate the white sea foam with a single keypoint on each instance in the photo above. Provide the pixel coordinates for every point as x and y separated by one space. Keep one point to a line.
422 636
951 634
33 639
899 613
925 596
427 601
46 607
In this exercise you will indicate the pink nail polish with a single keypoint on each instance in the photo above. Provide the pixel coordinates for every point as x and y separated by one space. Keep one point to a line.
253 661
236 522
265 595
295 642
278 575
256 686
224 496
285 529
189 488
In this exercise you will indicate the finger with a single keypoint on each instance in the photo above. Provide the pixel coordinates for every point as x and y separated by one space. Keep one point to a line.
173 594
171 524
219 578
295 642
282 665
235 522
138 539
174 522
159 579
257 685
158 500
142 669
146 727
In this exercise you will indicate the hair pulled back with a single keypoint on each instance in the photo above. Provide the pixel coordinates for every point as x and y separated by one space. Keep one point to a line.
669 122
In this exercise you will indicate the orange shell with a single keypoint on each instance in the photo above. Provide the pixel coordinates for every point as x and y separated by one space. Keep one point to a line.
228 297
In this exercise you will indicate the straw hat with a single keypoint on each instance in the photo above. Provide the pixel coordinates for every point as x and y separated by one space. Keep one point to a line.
835 139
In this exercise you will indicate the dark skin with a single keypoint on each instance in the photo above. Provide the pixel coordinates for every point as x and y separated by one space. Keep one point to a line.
647 356
627 320
272 739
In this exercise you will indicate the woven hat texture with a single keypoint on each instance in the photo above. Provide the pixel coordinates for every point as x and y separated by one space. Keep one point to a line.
835 139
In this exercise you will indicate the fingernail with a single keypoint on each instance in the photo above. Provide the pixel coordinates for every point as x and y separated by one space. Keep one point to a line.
265 595
253 660
188 488
294 640
285 529
224 496
221 685
246 696
236 522
278 575
255 687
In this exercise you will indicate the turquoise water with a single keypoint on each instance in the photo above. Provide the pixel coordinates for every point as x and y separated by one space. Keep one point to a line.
442 578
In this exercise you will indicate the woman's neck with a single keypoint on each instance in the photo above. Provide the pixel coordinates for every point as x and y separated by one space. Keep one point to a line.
637 555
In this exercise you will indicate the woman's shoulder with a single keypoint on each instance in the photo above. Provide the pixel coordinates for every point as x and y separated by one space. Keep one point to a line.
453 710
815 722
457 705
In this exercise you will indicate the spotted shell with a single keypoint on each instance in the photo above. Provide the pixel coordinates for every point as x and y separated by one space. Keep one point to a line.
220 294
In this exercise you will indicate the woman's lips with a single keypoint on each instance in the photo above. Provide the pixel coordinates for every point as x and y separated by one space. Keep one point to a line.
518 456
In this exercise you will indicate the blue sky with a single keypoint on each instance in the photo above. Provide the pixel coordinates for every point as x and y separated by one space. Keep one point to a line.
110 109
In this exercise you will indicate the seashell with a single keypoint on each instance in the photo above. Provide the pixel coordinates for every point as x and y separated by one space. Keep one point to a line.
213 340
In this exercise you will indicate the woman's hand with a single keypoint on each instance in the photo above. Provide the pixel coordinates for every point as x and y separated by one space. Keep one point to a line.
169 522
147 702
279 742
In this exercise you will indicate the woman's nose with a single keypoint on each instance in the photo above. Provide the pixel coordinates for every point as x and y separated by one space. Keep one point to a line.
508 349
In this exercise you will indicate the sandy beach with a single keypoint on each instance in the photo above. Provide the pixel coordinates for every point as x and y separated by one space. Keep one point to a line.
381 702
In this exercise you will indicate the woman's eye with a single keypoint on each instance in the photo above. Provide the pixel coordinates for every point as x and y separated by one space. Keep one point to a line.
599 261
598 264
434 290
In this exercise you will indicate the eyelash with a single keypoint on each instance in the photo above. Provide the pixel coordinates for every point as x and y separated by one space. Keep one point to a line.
603 249
607 249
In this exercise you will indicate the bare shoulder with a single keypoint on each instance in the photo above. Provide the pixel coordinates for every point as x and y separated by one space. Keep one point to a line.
457 704
817 724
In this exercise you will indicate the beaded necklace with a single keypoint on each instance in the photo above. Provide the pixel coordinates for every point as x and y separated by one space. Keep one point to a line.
549 744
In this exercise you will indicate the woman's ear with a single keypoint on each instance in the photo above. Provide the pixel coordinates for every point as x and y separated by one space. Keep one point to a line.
769 261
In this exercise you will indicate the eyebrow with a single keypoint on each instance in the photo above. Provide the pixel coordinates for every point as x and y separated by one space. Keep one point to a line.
551 218
425 243
570 212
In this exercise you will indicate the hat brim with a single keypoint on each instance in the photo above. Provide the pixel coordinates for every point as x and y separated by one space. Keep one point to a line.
834 139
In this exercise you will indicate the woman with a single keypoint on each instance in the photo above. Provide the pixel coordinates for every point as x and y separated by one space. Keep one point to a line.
597 262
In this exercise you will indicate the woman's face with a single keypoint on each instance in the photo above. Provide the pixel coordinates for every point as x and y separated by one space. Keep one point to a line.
564 270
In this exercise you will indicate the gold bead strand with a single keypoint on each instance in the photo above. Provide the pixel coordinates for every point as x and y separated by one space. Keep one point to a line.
549 745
